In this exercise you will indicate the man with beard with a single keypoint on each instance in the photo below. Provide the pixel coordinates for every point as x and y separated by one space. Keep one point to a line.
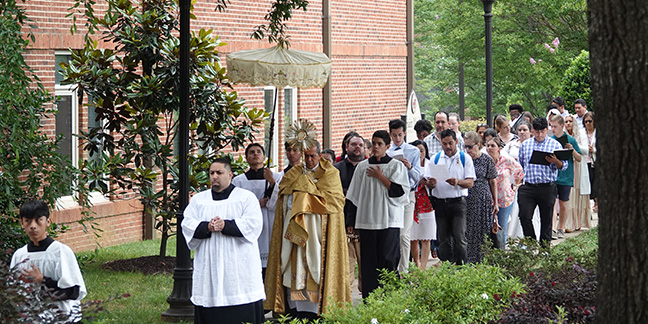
355 154
433 141
223 224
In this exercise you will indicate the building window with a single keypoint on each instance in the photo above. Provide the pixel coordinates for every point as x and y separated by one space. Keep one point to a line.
67 122
67 126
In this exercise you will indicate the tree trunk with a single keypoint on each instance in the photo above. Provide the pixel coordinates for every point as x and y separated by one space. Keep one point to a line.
618 33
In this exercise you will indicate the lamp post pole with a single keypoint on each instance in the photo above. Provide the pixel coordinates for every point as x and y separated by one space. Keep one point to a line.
488 7
180 306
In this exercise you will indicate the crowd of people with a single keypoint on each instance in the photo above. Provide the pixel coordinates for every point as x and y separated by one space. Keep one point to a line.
290 241
383 203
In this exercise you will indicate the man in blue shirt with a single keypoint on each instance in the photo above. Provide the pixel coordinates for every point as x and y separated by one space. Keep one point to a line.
565 180
539 187
411 158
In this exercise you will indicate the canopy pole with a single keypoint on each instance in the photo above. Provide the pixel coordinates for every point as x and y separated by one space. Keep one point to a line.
327 118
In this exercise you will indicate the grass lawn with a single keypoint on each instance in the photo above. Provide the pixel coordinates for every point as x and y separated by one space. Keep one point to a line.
148 293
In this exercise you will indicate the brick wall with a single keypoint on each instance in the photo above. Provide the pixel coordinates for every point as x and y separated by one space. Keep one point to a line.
121 222
368 79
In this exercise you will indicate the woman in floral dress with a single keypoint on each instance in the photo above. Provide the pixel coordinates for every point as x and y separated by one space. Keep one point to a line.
507 169
481 211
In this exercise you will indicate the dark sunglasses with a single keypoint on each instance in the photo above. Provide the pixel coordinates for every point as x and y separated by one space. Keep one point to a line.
588 121
470 146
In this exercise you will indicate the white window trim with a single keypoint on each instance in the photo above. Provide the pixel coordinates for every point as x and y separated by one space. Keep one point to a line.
293 109
95 197
70 90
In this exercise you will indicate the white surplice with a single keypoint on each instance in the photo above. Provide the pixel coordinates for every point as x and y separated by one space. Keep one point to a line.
376 210
258 188
227 269
59 263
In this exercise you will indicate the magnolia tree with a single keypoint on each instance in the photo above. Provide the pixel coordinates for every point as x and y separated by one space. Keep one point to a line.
134 90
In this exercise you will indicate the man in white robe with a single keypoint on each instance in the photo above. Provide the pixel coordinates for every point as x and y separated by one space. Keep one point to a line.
223 224
261 181
49 262
379 188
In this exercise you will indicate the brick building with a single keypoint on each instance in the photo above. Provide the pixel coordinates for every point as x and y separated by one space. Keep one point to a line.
368 85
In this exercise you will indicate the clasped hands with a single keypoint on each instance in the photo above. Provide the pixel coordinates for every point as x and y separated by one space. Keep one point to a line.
216 224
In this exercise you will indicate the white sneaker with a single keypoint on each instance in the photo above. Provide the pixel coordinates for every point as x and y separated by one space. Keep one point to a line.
560 234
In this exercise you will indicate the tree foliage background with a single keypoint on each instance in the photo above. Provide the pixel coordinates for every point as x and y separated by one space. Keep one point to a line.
30 166
134 89
450 32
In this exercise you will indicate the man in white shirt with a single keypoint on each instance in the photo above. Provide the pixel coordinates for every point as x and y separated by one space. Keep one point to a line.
410 156
581 109
448 196
560 104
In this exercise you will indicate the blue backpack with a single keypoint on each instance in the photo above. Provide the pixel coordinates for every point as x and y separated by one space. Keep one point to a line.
462 157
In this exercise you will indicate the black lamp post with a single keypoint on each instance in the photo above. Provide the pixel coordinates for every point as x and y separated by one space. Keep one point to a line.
488 7
180 307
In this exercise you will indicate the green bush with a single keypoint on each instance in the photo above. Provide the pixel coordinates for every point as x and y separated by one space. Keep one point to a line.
576 83
471 125
449 294
526 255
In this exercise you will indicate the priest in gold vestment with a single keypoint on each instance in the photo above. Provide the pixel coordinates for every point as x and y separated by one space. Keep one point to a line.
307 265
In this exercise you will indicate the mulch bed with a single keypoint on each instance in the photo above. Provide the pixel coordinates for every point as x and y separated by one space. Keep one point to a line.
149 265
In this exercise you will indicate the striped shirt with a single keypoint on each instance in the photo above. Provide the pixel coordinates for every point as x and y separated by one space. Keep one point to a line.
434 144
539 173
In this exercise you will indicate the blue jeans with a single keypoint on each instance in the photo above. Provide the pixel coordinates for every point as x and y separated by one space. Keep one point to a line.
502 219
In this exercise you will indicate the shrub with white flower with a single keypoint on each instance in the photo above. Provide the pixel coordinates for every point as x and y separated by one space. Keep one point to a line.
374 321
484 295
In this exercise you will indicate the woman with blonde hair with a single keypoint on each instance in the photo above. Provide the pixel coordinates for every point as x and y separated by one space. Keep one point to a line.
578 204
507 168
503 128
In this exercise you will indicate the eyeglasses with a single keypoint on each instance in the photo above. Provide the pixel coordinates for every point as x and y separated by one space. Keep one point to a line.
588 121
470 147
482 125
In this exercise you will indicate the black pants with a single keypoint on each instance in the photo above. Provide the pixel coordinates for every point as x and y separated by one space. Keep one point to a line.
451 223
592 177
246 313
544 197
379 249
